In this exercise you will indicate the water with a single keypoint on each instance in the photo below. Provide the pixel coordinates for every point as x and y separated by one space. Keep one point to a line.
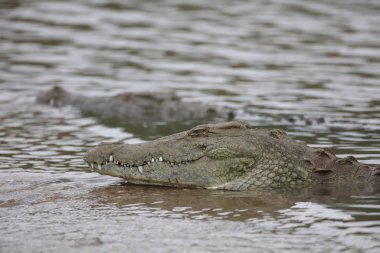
277 63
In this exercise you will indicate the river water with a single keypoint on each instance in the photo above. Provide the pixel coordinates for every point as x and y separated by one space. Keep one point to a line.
310 67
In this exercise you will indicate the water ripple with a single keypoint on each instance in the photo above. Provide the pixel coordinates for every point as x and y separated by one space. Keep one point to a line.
310 67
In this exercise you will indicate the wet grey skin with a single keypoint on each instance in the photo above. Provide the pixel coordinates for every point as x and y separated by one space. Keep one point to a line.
135 106
229 156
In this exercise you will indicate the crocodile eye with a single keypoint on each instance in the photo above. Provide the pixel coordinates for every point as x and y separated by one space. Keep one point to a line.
201 131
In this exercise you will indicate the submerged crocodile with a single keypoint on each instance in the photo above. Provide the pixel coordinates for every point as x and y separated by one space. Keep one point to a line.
230 156
135 106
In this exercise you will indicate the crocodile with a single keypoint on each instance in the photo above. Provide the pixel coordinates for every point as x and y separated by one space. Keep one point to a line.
229 156
134 107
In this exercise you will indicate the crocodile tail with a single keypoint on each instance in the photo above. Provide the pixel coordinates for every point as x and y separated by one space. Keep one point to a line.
326 167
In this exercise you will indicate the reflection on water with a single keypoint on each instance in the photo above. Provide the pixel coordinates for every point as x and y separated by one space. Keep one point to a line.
86 211
191 203
310 67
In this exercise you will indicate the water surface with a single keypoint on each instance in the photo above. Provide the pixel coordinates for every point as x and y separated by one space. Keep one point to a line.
310 67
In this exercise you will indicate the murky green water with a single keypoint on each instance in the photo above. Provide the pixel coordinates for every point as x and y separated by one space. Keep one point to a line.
278 63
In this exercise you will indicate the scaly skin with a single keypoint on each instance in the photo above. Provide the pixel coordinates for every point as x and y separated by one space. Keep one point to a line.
231 156
134 107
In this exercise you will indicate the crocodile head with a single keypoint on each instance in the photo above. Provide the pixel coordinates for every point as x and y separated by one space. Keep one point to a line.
56 96
230 156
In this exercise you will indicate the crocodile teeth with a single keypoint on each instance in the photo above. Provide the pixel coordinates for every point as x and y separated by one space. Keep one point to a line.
51 101
152 160
99 166
111 158
140 169
92 165
160 159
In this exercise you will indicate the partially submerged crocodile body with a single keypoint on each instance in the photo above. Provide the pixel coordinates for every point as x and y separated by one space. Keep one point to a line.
230 156
135 106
